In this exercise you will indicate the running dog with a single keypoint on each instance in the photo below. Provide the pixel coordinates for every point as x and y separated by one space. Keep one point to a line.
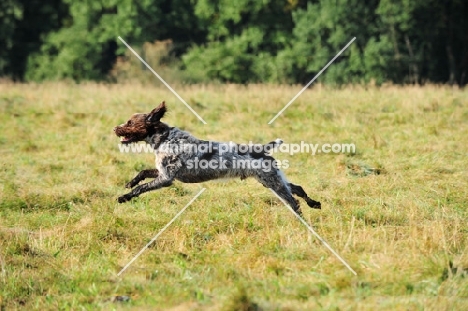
178 154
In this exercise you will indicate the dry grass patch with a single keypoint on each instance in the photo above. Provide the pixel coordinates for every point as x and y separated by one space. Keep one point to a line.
395 209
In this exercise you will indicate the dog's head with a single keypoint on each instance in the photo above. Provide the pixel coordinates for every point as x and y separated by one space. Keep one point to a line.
141 125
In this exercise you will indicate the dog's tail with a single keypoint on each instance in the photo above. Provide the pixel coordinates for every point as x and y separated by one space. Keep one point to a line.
272 145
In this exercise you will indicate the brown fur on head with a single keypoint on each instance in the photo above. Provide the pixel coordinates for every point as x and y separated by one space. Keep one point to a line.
140 125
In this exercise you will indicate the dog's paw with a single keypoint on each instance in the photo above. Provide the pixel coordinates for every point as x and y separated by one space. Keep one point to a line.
130 185
314 204
124 198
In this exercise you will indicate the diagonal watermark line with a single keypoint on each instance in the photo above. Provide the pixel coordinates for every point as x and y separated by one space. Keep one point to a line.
316 234
311 81
160 232
162 80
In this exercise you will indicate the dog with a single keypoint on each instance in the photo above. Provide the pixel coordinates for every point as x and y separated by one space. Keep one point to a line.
178 154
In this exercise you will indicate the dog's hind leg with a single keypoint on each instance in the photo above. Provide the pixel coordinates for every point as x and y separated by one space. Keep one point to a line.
142 176
275 182
284 193
299 191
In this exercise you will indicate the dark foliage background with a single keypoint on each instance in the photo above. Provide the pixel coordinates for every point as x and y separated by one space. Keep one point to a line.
243 41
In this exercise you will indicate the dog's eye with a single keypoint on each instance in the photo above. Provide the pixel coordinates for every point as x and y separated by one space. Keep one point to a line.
129 122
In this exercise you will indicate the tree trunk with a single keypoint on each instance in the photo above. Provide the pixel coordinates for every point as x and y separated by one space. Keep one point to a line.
414 72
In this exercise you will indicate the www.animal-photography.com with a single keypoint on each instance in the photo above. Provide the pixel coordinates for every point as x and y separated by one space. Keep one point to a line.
199 155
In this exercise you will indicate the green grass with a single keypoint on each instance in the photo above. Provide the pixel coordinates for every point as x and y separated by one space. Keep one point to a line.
395 210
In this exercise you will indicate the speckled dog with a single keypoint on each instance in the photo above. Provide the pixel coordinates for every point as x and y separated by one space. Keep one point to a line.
178 153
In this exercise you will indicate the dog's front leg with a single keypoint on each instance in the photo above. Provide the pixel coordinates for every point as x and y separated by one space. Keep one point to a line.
142 176
158 183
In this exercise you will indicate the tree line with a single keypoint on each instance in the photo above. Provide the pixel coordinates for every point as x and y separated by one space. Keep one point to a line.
242 41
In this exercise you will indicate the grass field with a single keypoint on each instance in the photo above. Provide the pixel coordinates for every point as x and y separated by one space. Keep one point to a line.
395 210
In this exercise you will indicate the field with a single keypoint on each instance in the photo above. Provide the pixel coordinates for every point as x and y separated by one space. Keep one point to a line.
395 209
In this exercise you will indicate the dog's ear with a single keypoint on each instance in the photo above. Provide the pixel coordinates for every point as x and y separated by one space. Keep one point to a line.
157 113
